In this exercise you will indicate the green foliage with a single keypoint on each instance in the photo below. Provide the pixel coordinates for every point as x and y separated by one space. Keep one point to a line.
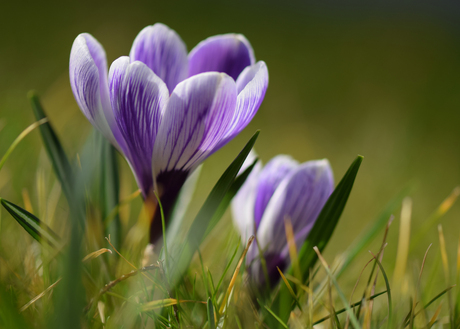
37 229
53 146
217 200
175 290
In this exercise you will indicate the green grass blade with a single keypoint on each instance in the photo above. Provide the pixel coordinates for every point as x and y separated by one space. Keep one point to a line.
319 236
351 315
37 229
110 190
374 229
277 318
387 284
56 153
351 306
327 219
211 319
18 139
205 219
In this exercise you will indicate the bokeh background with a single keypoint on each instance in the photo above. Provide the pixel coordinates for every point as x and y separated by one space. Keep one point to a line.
377 78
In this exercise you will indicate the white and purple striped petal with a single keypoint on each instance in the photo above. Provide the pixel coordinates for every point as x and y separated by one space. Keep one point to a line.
138 98
196 118
88 80
299 198
227 53
244 201
269 179
251 85
163 51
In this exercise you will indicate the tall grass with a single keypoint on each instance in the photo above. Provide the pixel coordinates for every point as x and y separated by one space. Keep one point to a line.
82 262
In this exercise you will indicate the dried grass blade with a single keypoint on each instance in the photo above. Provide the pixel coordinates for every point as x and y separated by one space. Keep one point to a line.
33 300
18 139
352 316
96 254
235 275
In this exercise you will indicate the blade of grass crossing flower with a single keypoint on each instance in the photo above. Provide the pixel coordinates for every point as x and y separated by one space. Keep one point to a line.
286 282
328 218
292 249
163 226
318 236
56 153
350 313
239 180
37 229
211 315
226 269
18 139
226 300
205 217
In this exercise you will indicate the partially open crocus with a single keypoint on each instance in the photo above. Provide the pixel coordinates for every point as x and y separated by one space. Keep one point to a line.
165 110
283 190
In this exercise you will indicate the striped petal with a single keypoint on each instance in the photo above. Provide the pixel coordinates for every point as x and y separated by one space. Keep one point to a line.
228 53
271 176
251 85
244 201
163 51
138 97
196 117
299 198
88 80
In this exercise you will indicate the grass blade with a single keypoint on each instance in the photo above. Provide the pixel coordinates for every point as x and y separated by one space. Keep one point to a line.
211 316
206 217
18 139
56 153
110 190
351 315
37 229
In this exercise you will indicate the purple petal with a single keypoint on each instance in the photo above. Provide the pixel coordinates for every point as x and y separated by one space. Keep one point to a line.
228 53
271 176
138 98
88 79
196 118
252 85
244 201
163 51
299 198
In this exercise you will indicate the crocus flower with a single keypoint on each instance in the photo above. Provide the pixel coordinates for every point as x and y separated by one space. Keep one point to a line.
282 190
165 110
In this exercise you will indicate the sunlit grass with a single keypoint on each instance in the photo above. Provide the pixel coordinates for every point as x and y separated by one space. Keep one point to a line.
127 286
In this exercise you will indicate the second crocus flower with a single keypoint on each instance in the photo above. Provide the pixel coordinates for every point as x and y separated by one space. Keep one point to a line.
282 190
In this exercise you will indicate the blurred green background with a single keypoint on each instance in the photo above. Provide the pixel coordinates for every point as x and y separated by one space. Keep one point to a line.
346 78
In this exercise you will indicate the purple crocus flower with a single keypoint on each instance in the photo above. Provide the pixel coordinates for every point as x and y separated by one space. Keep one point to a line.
165 110
282 190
